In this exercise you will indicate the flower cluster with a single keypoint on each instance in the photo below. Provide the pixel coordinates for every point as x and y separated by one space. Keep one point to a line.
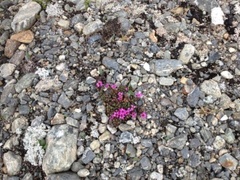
120 102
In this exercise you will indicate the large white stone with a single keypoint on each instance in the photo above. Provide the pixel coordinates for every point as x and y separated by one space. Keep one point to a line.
25 17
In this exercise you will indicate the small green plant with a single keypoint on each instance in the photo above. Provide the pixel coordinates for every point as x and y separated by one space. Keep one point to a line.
121 103
87 3
43 143
43 3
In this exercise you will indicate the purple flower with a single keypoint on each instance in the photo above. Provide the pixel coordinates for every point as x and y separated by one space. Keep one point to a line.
134 115
143 115
107 85
120 96
99 84
113 86
139 94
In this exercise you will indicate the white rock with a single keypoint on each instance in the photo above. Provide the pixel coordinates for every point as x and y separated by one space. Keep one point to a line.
64 23
219 142
95 145
7 69
217 16
146 66
78 27
12 162
226 75
83 172
156 176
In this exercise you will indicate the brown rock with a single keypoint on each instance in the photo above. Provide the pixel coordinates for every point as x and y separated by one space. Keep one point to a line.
10 47
153 37
23 36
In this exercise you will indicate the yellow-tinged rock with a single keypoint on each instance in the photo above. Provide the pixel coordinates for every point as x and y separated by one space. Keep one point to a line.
23 36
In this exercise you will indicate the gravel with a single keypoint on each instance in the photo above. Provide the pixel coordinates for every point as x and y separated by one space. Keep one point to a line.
183 56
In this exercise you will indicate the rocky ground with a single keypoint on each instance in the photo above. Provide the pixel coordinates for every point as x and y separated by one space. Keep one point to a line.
184 56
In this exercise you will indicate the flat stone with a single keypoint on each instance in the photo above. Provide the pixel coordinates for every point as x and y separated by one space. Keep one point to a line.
237 105
88 156
10 47
23 37
219 142
227 75
8 89
58 119
164 67
110 63
63 176
83 173
92 27
228 162
7 69
12 162
64 101
145 163
48 84
64 23
146 143
229 136
25 17
177 142
166 81
24 82
206 134
72 122
95 145
61 149
181 113
225 101
19 124
126 137
210 87
194 160
23 109
130 150
193 97
187 53
17 57
105 136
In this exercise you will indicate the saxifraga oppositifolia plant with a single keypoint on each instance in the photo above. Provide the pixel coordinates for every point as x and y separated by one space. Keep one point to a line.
121 103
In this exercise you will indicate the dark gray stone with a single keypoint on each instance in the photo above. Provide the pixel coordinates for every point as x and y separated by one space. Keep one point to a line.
63 176
110 63
23 109
24 82
126 137
87 156
178 142
64 101
146 142
145 163
193 97
194 160
181 113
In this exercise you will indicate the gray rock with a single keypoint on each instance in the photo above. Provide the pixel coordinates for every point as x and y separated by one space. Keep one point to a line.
64 101
210 87
130 150
12 162
105 136
110 63
7 69
8 90
219 142
61 149
146 142
7 112
194 160
63 176
90 80
225 101
72 122
145 163
228 161
193 97
166 81
24 82
229 136
195 143
27 176
64 23
227 75
126 137
186 53
164 67
48 84
178 142
76 166
92 27
25 17
19 124
87 156
135 173
17 57
83 173
206 5
206 134
181 113
23 109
